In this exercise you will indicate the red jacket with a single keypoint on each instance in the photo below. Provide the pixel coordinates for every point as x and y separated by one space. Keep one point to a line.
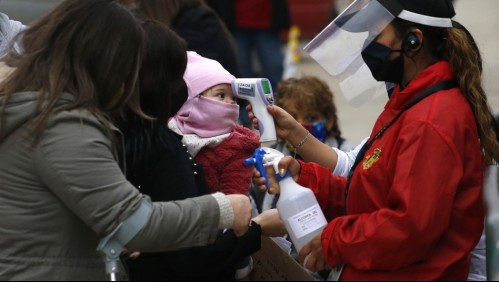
223 165
415 212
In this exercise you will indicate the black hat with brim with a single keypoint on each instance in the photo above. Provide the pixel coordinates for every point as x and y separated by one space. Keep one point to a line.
426 12
429 8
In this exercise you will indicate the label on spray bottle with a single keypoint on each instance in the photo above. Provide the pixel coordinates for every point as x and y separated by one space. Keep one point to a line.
307 221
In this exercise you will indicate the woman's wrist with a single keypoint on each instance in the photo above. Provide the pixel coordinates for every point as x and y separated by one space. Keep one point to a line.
298 137
298 146
226 211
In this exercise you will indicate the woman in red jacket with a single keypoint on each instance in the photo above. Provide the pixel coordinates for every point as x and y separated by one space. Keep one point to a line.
411 207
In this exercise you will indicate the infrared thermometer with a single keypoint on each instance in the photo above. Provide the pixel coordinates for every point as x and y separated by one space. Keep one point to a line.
258 92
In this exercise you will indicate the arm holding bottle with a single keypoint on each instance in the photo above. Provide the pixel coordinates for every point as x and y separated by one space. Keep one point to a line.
309 147
311 150
311 255
270 223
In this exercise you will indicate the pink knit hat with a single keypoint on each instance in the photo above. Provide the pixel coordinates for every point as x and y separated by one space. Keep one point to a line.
200 115
203 73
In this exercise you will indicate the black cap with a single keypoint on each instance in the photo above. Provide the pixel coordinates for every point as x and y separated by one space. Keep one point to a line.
427 12
431 8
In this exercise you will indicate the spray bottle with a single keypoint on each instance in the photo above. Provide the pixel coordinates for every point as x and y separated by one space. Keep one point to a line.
297 205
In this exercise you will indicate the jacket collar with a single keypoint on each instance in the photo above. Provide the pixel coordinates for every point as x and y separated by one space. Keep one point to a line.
437 72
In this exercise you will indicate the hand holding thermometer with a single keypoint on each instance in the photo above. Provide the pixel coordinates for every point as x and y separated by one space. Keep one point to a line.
258 92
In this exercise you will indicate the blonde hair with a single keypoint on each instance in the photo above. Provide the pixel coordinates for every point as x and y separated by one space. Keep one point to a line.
312 93
466 62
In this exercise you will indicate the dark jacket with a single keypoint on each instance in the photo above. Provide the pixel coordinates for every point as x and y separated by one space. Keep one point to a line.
206 34
167 172
226 10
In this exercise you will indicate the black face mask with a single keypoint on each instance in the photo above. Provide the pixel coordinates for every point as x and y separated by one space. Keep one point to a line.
377 58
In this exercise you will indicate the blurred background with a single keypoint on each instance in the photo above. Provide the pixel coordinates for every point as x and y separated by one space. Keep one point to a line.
26 10
311 16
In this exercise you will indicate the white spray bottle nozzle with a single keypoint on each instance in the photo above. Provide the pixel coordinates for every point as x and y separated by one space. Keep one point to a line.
272 158
263 157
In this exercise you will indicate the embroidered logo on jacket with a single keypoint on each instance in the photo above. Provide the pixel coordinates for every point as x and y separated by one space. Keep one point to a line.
371 159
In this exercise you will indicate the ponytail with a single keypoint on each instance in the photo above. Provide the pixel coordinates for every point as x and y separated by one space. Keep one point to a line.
457 46
463 55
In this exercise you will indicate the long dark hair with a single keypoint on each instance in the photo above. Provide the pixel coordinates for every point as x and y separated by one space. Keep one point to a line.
458 47
90 49
162 93
162 70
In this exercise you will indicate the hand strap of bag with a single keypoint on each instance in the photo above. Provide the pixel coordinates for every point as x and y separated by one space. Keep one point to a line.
439 86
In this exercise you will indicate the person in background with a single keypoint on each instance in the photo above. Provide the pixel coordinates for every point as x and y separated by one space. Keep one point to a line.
9 29
197 24
395 233
488 245
310 101
257 26
62 189
161 166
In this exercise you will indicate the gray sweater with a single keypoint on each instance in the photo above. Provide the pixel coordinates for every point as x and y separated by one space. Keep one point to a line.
59 197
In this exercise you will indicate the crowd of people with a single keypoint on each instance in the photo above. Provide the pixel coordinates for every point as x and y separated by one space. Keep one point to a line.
119 125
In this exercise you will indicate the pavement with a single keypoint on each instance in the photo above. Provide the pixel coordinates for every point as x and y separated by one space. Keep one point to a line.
481 18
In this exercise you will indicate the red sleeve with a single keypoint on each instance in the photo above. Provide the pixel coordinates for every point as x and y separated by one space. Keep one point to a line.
328 189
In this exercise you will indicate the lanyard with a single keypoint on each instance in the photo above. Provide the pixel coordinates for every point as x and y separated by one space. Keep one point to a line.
442 85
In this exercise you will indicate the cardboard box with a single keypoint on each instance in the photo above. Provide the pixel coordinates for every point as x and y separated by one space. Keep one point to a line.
271 263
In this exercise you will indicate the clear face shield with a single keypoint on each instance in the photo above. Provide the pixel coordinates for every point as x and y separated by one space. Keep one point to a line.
338 48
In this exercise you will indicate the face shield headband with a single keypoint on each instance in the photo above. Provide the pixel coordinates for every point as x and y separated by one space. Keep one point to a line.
338 47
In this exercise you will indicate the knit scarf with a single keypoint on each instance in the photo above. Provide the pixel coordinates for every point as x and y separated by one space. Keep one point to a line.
8 30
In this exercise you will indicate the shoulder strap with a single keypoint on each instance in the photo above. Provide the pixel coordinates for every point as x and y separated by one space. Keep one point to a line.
439 86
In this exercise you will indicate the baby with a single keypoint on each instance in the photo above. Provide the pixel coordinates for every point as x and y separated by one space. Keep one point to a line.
208 122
